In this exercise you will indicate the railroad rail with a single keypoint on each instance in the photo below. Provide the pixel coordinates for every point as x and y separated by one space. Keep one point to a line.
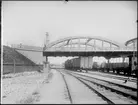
70 98
127 93
127 87
115 77
98 93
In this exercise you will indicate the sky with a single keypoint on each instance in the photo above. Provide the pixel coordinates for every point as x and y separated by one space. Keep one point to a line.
27 22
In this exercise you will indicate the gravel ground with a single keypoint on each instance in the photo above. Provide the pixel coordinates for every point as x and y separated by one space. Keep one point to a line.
34 87
81 94
130 84
54 92
45 88
20 85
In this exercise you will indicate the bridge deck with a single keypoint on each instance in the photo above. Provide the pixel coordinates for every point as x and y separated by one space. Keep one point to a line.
88 53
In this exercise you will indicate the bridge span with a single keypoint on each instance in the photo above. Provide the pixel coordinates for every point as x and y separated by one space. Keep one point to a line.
89 46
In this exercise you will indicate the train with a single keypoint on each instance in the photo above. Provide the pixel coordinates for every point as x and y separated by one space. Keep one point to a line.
81 63
72 64
86 63
115 67
123 67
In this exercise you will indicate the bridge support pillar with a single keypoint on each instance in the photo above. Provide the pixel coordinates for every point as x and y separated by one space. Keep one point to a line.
46 65
130 65
86 63
108 61
90 62
82 63
123 62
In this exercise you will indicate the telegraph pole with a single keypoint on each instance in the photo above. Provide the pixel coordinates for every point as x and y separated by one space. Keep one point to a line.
46 42
14 65
47 38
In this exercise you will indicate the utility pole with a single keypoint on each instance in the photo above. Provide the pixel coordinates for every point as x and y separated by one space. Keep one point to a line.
47 38
46 42
14 65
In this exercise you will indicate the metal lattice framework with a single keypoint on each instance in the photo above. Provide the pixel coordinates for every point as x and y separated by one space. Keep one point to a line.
132 42
83 44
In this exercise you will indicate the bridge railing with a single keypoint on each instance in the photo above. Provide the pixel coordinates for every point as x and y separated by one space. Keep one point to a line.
62 49
26 47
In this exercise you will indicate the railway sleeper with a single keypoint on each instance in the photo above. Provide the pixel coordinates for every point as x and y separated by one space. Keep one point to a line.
114 90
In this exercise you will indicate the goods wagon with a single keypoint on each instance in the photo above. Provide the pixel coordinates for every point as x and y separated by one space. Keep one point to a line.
76 64
125 68
86 63
116 67
68 64
134 65
81 63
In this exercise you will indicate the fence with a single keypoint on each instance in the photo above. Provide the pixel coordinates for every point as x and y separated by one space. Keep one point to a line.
16 68
91 49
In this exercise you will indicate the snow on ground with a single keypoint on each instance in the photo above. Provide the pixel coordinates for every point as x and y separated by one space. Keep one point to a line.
81 94
130 84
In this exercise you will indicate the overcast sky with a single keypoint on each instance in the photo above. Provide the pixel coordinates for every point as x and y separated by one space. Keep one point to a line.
27 21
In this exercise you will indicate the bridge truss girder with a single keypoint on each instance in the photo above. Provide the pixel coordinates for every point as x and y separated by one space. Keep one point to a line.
133 42
86 43
63 45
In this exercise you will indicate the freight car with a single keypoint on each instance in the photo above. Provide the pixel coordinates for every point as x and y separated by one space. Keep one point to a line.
86 63
118 68
68 64
115 67
76 64
81 63
134 65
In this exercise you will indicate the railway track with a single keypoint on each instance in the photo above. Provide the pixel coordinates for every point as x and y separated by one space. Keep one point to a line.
134 76
131 88
112 89
92 89
70 98
115 77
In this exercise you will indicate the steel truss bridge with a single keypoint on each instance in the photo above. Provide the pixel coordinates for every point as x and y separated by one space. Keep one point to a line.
90 46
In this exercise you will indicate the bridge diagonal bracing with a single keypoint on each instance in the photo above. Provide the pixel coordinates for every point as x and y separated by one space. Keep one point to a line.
83 46
81 37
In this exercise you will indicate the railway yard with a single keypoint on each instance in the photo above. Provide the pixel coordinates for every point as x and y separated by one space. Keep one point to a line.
76 81
60 86
69 52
